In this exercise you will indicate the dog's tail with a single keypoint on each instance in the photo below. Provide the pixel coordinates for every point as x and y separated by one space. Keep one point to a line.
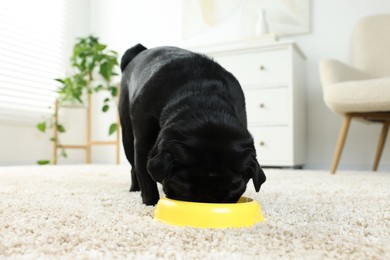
130 54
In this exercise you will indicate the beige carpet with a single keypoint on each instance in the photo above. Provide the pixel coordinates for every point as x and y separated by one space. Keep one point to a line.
86 212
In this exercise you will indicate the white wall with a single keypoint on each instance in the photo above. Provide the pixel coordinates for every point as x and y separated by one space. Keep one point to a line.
123 23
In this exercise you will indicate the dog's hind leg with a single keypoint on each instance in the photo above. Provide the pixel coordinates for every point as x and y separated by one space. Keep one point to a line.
128 145
127 136
149 191
145 134
124 113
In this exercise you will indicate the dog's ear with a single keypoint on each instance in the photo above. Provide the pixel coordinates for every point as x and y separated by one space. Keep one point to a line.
159 164
256 173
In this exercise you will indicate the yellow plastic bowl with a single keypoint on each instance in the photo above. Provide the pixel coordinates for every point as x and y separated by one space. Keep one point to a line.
245 213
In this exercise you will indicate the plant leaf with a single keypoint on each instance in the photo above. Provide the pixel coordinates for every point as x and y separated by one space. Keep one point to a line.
106 70
60 80
61 128
42 126
105 108
43 162
113 128
98 88
63 153
114 91
101 47
106 100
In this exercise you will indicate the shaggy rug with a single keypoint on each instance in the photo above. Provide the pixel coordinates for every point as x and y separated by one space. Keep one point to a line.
86 212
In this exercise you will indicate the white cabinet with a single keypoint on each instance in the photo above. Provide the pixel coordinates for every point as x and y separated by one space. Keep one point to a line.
271 76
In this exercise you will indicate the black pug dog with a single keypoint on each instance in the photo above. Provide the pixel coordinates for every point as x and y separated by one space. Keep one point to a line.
184 125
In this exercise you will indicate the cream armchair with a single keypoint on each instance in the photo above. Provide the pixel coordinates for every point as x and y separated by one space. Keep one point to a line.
363 89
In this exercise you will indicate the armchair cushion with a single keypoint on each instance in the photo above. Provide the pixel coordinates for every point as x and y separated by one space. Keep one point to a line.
371 95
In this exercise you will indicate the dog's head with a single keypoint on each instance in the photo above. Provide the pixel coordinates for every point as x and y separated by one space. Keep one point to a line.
205 165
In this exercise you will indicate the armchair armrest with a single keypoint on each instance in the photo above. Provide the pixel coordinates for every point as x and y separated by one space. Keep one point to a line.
334 71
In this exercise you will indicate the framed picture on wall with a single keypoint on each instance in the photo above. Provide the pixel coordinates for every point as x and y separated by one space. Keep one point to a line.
210 22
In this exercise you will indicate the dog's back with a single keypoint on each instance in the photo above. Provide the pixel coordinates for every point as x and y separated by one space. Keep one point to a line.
159 72
139 64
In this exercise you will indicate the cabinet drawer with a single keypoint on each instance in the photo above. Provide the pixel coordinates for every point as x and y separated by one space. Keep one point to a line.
273 144
271 68
267 106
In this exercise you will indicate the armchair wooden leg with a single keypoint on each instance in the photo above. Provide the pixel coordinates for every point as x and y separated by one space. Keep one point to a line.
381 144
340 142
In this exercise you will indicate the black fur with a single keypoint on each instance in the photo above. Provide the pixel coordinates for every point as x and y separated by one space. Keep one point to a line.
130 54
184 125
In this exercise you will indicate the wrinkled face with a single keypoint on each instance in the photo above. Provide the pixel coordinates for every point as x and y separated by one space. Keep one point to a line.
199 184
212 171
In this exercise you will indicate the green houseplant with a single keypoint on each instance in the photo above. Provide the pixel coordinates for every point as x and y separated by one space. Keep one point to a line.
93 67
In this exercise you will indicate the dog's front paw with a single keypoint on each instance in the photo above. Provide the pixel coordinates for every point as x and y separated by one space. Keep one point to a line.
150 201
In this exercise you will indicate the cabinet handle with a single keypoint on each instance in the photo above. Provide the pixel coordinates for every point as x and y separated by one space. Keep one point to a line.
261 143
261 67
